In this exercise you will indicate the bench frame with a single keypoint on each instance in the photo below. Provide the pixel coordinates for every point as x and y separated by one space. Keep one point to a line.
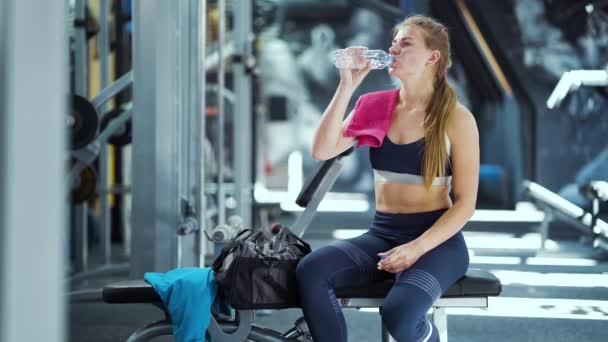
439 316
229 330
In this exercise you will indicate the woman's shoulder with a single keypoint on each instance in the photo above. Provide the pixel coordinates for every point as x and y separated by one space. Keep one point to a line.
461 112
460 121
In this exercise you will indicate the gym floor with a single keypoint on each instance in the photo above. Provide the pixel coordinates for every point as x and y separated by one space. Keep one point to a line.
559 295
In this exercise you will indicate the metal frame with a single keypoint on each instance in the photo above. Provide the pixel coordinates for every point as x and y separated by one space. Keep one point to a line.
221 78
554 205
81 87
105 223
201 209
109 91
243 123
86 156
229 331
81 50
166 181
89 153
154 243
574 79
304 220
33 212
447 302
440 318
187 127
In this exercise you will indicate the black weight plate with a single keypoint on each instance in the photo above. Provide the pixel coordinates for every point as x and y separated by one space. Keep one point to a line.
86 188
85 123
123 136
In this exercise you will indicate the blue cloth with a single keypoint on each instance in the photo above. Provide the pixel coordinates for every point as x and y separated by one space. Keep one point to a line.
188 294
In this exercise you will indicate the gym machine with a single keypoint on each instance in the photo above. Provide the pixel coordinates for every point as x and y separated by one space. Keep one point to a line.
587 221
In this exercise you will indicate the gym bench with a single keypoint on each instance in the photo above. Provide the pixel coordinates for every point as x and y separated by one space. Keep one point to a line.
471 291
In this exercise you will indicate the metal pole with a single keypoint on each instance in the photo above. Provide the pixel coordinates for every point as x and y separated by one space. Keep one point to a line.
243 150
180 123
34 104
202 81
105 223
104 42
164 95
155 189
81 67
189 152
81 55
220 98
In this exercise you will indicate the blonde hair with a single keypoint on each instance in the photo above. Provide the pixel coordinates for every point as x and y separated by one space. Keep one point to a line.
442 102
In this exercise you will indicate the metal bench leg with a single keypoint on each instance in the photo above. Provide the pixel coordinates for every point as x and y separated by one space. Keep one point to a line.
544 229
245 319
150 331
440 319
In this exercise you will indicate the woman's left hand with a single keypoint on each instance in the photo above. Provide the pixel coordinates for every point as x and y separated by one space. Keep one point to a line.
400 258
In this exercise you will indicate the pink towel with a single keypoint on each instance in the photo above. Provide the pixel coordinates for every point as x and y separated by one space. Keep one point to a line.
372 117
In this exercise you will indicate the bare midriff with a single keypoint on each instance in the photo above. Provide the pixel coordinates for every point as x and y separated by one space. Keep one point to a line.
398 198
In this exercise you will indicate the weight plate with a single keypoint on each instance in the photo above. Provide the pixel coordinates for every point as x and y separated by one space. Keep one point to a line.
84 123
86 186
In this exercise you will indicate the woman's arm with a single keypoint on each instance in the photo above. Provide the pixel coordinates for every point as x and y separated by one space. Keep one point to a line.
329 140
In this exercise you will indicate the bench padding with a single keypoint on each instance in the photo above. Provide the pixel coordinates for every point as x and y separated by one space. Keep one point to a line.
130 291
475 283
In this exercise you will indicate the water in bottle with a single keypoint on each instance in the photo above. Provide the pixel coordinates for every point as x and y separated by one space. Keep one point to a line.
351 59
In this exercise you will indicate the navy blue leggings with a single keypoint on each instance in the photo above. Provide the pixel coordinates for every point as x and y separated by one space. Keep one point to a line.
353 262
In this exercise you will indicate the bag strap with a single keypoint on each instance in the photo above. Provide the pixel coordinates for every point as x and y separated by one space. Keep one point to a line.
304 249
283 232
285 241
236 241
299 239
217 263
286 231
241 233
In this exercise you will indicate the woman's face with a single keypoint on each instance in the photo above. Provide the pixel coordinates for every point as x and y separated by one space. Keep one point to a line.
411 55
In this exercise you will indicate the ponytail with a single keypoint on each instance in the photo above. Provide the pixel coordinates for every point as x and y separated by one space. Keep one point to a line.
438 112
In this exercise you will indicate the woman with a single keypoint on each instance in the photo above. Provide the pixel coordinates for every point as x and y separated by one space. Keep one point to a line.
430 145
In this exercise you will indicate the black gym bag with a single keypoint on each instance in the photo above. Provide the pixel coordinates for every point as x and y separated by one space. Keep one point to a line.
257 270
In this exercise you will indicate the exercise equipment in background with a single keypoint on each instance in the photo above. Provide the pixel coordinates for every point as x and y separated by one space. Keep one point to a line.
83 123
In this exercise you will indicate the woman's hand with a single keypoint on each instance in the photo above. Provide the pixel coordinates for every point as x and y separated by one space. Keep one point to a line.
400 258
352 78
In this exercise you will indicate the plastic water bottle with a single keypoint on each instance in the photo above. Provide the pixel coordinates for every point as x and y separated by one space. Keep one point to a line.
349 59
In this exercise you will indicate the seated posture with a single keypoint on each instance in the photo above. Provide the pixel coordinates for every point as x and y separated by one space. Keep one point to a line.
422 143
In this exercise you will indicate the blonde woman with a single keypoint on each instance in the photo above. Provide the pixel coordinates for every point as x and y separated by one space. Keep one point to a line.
422 144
